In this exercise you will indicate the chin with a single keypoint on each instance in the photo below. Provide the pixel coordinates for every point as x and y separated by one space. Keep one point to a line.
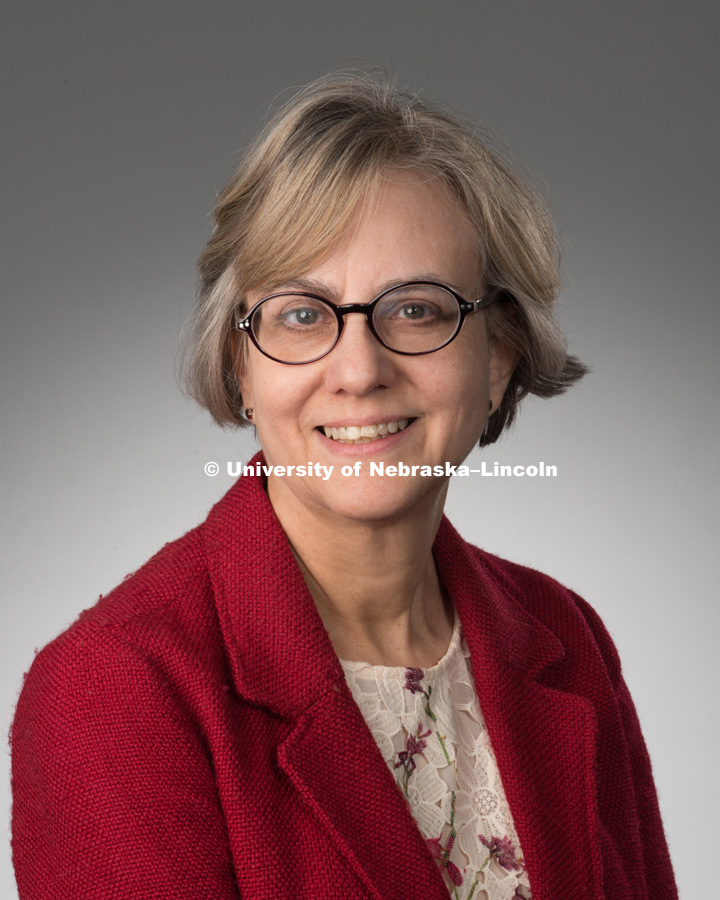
377 499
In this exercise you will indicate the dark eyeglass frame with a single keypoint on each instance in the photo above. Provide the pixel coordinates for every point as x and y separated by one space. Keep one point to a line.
466 307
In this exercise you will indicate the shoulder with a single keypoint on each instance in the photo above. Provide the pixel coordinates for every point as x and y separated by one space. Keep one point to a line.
556 608
156 628
560 609
170 591
113 715
161 626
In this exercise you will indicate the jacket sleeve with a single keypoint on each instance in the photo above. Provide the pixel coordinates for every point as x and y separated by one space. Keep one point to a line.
113 791
658 867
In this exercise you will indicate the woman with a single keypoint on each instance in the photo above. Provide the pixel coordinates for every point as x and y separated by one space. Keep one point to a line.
323 690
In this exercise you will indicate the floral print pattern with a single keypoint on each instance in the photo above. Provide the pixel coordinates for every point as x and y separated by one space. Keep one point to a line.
502 850
415 743
442 854
413 683
413 679
430 730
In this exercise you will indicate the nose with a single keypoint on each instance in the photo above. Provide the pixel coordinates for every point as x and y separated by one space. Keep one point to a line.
358 363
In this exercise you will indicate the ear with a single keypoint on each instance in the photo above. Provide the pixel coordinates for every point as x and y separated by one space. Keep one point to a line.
502 362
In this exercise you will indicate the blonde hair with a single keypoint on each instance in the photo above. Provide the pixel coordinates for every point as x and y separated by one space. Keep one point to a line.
294 196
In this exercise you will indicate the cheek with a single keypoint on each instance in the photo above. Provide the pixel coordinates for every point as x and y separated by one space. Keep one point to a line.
468 393
472 407
459 395
257 379
471 366
280 394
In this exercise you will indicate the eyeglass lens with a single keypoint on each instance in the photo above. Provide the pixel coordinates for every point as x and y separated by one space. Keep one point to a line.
415 318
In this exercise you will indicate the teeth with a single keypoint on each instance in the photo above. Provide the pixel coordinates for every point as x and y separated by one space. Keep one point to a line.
363 434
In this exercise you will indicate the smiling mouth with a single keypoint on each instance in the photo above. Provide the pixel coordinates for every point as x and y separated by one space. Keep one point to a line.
364 434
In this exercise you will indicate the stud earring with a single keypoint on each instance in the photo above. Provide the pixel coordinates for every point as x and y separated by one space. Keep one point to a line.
249 413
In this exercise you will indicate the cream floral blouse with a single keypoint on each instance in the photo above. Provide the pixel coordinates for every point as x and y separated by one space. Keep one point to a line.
430 730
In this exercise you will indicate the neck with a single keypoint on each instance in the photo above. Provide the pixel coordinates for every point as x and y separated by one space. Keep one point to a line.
374 583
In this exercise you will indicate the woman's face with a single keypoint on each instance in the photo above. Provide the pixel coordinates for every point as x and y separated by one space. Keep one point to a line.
414 231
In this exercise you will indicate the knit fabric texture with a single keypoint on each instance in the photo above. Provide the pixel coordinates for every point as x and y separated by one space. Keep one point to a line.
193 736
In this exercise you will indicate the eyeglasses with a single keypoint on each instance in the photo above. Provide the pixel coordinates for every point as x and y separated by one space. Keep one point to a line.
413 318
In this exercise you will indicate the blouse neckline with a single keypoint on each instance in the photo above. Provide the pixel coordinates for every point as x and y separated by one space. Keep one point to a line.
398 672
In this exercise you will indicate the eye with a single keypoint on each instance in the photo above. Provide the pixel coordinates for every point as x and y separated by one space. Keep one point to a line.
397 312
414 311
302 316
417 306
295 312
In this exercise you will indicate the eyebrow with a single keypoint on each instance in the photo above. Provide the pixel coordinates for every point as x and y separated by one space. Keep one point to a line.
314 286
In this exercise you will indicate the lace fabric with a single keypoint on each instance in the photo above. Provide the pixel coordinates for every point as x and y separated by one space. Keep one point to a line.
431 733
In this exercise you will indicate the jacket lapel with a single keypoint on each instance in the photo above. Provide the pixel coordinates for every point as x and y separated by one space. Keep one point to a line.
333 760
543 737
282 658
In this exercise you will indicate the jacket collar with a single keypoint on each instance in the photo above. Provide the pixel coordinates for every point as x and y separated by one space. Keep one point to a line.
543 734
280 652
282 658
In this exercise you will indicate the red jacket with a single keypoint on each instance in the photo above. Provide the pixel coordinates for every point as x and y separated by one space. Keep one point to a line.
192 737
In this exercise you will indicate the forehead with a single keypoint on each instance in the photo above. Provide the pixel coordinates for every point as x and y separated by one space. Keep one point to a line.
409 227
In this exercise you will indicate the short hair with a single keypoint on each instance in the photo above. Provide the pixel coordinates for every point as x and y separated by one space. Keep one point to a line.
293 198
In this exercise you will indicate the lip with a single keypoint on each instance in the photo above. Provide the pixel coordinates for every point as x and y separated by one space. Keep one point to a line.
373 448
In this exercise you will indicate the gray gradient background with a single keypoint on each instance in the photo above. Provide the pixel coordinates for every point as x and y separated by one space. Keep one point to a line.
120 123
